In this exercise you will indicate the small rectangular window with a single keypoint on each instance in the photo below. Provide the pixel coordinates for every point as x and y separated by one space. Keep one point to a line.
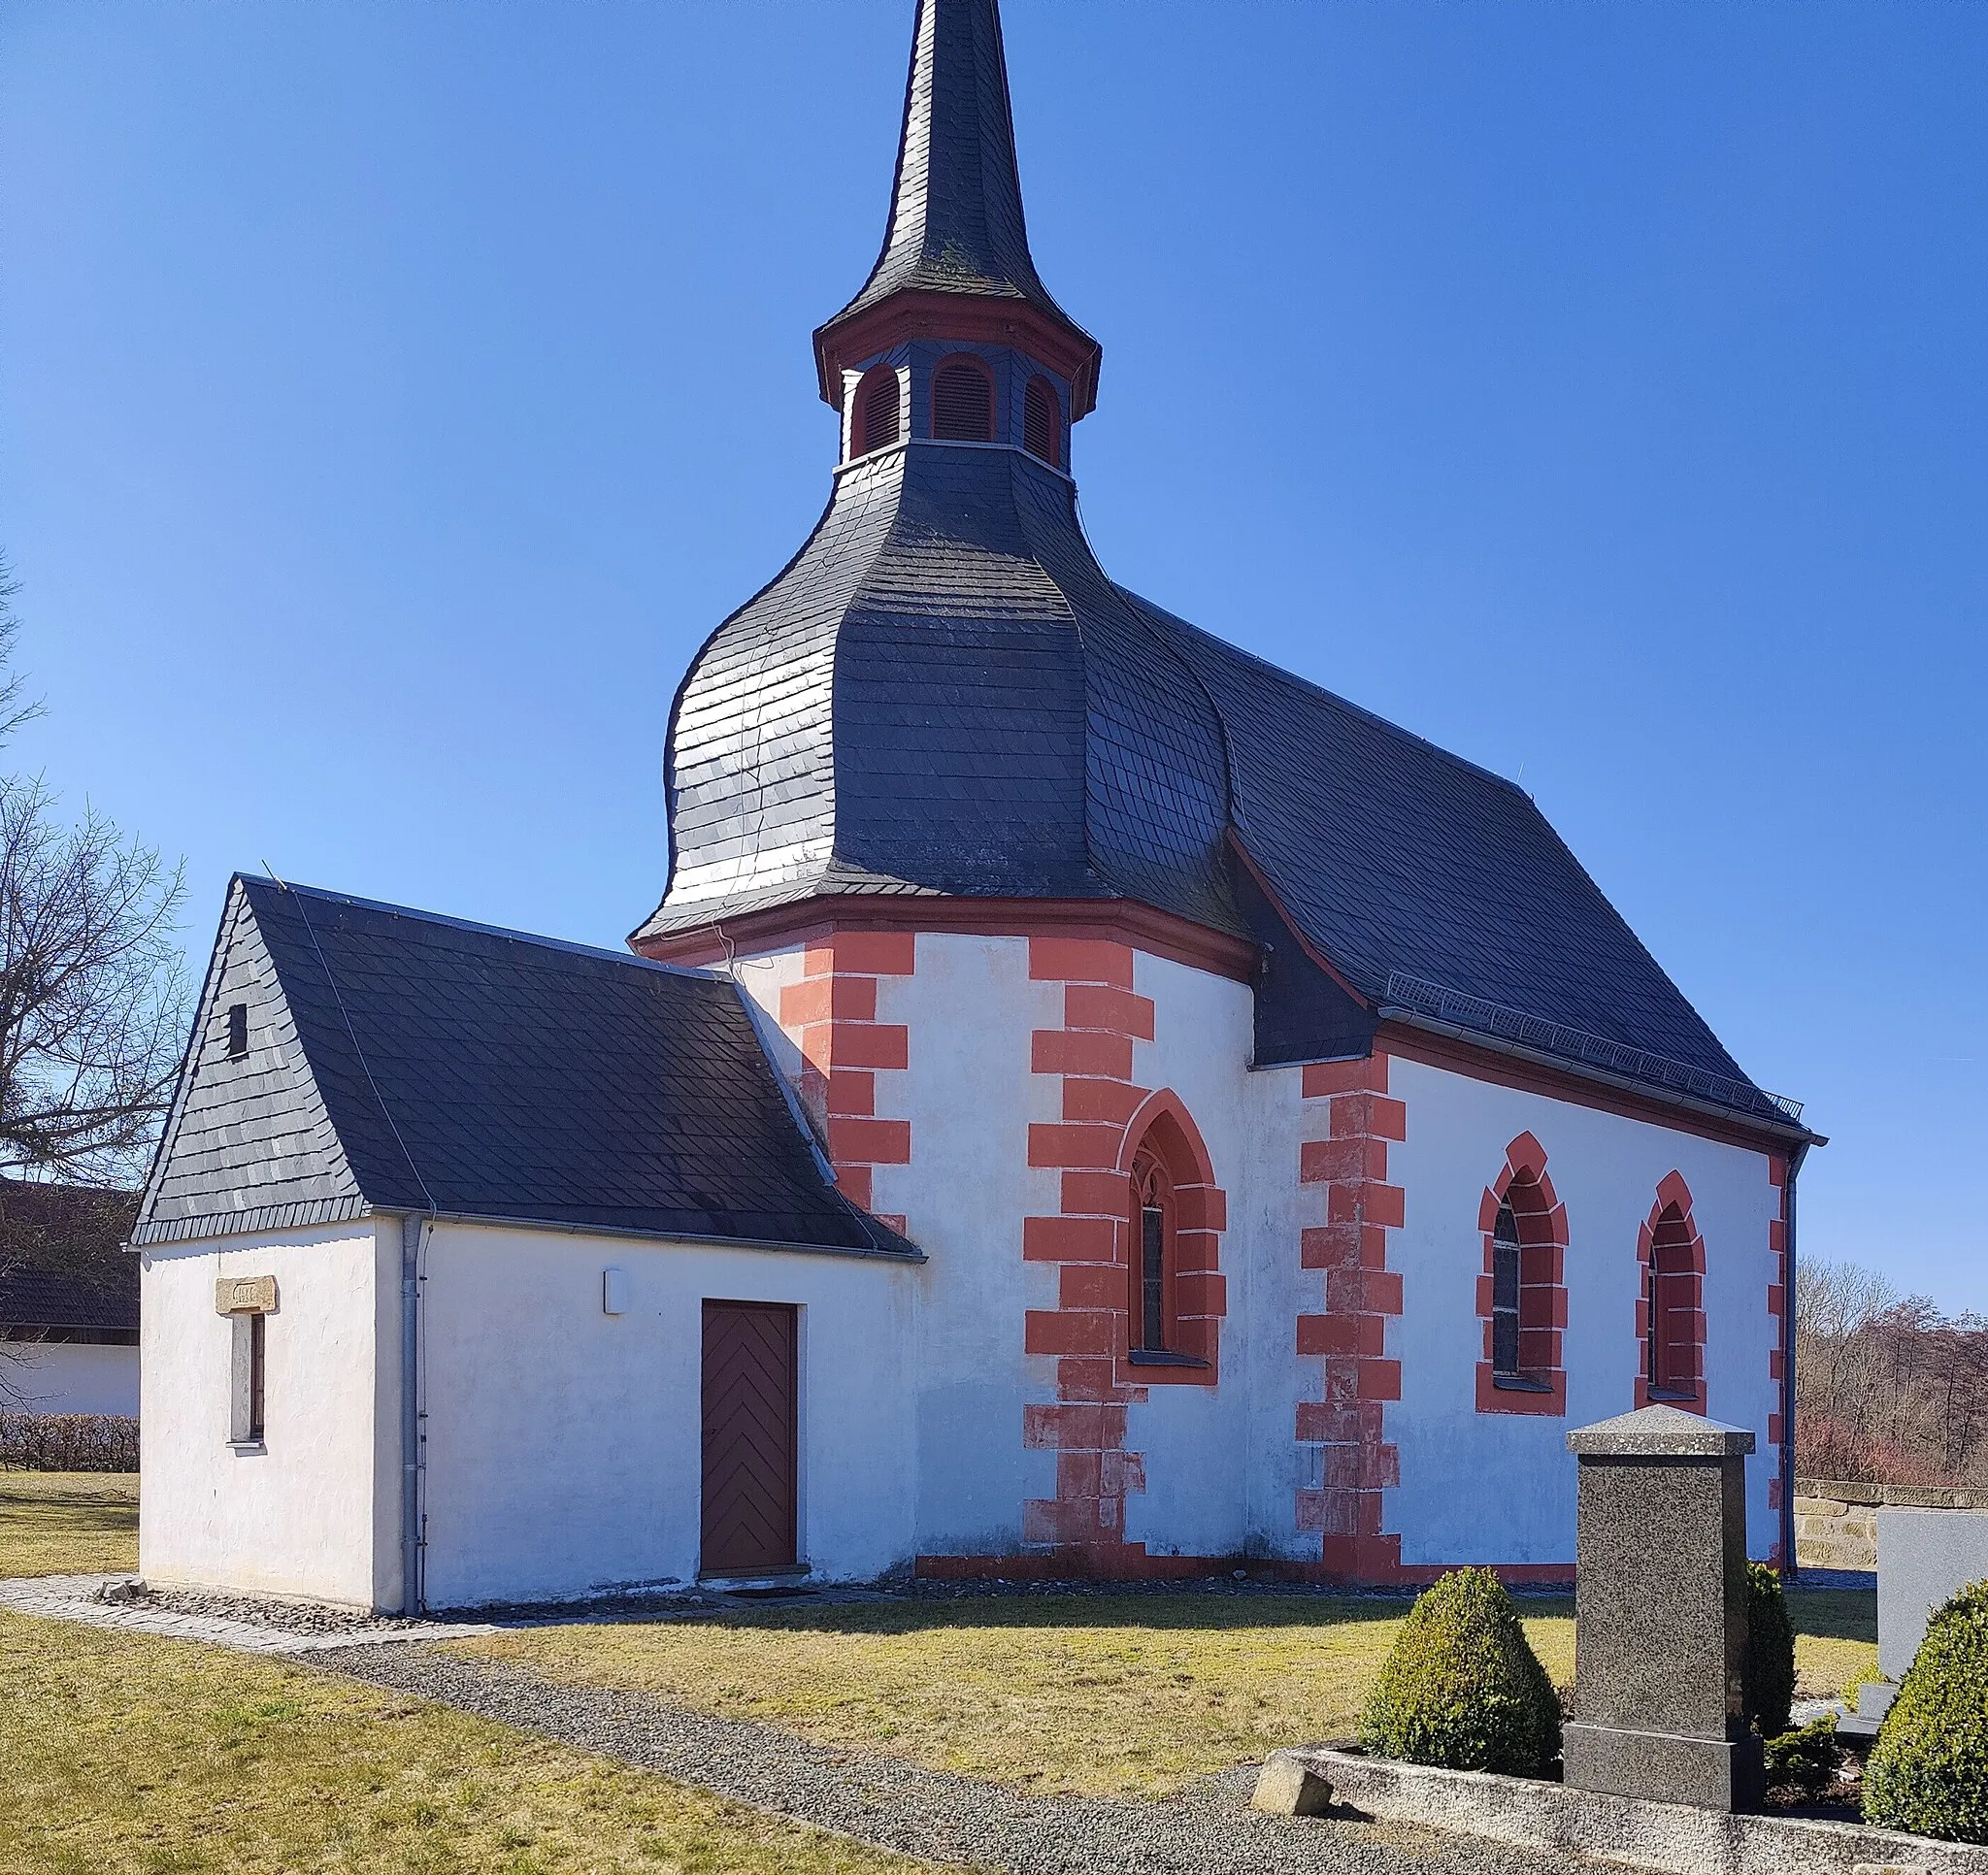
238 1031
249 1359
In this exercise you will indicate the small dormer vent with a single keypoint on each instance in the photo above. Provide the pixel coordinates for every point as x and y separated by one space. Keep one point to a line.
238 1031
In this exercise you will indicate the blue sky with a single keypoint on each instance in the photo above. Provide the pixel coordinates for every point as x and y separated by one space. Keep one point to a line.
392 397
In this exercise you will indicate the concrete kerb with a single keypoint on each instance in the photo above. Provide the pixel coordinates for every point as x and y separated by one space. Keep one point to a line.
1673 1839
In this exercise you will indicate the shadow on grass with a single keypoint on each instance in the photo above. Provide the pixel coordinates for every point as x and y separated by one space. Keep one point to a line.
1835 1614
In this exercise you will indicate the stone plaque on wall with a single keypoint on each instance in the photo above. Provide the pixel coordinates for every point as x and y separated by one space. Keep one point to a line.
244 1296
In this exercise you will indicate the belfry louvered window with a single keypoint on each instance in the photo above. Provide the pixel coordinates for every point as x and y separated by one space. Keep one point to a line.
1504 1275
962 401
877 412
1042 422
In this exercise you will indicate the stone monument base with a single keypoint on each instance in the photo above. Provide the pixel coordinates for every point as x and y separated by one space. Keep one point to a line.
1714 1773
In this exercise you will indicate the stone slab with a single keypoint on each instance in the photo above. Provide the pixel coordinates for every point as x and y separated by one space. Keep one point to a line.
1660 1433
1716 1773
1669 1839
1923 1557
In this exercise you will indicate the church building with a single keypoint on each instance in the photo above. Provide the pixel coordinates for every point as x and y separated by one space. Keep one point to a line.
1087 1102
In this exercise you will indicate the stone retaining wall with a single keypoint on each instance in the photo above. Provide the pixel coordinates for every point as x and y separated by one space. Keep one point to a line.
1836 1522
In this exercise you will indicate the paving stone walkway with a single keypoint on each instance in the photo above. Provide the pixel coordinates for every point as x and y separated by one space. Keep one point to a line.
80 1597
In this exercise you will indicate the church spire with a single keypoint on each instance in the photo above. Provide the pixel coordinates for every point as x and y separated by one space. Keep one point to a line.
955 261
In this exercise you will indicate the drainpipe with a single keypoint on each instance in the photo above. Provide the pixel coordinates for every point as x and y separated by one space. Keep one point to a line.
1791 1570
412 1597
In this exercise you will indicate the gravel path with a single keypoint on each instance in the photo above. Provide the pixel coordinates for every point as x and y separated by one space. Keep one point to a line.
936 1815
248 1626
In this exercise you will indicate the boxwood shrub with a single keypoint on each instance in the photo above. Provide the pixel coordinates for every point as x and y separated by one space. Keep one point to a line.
1769 1678
1929 1769
1462 1687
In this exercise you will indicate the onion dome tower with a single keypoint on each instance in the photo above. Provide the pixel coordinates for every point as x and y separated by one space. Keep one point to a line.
942 693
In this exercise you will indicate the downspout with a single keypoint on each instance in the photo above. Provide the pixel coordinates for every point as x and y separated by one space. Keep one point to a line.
1791 1570
412 1599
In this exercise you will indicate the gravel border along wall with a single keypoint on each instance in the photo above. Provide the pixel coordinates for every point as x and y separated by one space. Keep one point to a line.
937 1815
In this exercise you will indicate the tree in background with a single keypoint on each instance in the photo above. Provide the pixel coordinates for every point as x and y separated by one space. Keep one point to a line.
1888 1389
94 995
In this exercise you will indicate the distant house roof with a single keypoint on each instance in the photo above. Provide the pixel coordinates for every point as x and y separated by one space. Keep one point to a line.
397 1060
62 1263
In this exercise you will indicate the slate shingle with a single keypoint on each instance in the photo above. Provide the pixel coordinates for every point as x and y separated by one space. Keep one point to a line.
488 1073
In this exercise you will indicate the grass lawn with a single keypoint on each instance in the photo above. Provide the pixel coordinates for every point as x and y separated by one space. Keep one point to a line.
68 1522
1127 1695
130 1756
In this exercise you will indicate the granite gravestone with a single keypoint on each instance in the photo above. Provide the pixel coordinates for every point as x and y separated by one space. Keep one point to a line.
1660 1612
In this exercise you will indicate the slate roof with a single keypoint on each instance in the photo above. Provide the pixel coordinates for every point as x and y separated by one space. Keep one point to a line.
404 1062
62 1263
956 224
944 693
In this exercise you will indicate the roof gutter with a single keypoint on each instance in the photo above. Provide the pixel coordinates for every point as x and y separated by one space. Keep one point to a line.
873 1253
1790 1133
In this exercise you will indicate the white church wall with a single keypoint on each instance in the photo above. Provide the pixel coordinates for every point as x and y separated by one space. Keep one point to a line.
71 1377
297 1515
1496 1487
564 1450
969 1009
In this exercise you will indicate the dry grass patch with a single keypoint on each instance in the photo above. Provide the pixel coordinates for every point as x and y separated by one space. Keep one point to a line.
1132 1695
68 1522
130 1756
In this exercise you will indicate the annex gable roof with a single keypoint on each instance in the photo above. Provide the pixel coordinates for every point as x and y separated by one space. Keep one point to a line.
401 1062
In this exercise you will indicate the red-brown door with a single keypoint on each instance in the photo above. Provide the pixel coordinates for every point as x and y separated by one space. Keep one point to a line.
748 1437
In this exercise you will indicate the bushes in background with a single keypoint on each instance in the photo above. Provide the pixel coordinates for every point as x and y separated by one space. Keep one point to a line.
1770 1675
1929 1770
68 1442
1462 1687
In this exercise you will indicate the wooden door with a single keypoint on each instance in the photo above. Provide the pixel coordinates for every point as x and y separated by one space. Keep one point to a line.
748 1438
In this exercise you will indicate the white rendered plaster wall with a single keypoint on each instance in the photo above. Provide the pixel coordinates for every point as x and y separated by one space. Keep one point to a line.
969 1093
1195 1440
71 1377
564 1451
1500 1488
298 1517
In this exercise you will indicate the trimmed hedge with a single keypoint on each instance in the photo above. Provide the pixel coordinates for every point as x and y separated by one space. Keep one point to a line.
1770 1675
67 1442
1929 1769
1462 1687
1804 1760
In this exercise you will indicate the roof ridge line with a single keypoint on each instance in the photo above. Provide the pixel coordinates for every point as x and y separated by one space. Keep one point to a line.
1318 689
567 944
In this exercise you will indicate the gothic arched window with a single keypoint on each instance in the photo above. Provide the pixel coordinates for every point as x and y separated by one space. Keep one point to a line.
962 401
875 425
1042 422
1673 1341
1522 1294
1155 1232
1505 1295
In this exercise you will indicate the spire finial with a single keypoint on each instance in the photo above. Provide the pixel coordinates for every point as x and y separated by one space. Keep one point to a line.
956 249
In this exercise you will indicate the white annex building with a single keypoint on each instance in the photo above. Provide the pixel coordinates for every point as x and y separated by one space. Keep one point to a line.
1088 1101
